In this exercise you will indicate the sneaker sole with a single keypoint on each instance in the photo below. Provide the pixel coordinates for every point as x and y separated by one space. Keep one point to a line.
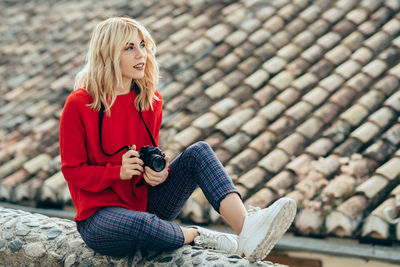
281 222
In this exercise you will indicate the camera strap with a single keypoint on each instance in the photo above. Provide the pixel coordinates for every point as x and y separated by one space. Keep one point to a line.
101 117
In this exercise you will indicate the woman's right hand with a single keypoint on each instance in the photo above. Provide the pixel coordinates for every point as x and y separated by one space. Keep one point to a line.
131 164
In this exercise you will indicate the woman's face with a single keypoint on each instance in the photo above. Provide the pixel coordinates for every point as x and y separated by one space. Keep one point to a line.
133 58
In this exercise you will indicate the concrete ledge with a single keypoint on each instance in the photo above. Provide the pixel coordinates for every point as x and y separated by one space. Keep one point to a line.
28 239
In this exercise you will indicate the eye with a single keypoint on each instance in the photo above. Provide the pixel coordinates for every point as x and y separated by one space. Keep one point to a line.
129 48
142 44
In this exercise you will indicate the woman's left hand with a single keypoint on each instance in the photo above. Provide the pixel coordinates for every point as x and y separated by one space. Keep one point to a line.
154 178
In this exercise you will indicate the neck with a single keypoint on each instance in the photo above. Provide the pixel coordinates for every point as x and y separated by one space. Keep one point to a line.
125 89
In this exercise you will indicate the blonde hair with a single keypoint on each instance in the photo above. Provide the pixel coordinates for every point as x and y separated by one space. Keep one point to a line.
102 69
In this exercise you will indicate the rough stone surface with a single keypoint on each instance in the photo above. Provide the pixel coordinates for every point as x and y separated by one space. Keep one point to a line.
66 248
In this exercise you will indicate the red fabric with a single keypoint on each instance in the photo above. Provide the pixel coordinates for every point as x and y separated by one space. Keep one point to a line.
93 178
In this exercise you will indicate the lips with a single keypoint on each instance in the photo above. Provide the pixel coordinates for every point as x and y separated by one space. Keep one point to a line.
139 66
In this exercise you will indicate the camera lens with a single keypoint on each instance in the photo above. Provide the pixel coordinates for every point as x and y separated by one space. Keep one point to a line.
157 163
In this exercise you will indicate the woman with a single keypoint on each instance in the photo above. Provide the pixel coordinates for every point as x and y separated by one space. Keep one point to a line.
123 204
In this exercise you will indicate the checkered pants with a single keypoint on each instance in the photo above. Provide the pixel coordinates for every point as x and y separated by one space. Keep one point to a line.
119 231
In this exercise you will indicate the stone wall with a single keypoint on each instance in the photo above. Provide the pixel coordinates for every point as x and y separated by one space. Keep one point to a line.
28 239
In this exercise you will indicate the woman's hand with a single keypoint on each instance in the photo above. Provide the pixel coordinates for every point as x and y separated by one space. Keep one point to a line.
131 164
154 178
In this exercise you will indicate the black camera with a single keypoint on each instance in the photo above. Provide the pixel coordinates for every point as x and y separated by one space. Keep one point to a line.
152 157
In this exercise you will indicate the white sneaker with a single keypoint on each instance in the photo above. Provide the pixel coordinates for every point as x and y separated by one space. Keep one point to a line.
215 240
263 228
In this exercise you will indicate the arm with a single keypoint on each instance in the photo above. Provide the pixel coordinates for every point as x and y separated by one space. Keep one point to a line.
75 166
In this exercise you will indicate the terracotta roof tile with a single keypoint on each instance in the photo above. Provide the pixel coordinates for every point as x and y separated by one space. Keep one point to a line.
293 144
223 107
262 198
255 126
32 166
393 134
289 51
265 52
274 161
359 82
296 26
264 142
237 16
390 169
250 25
355 114
206 121
394 101
299 111
253 178
280 39
298 66
373 187
272 110
282 125
344 97
310 127
245 159
357 16
348 147
375 224
305 82
281 182
249 65
320 148
282 80
187 136
274 24
265 12
392 27
217 90
375 68
382 117
274 65
338 54
231 124
311 13
236 38
236 143
354 40
362 55
257 79
289 96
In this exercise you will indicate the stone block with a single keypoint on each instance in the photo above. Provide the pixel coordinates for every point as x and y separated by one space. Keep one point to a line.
274 161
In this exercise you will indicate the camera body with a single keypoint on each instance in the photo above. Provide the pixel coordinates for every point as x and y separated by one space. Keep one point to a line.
152 157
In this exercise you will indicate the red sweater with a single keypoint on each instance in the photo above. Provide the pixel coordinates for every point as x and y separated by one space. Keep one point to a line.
93 178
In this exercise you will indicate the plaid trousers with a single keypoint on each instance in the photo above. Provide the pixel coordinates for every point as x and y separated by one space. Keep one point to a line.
119 231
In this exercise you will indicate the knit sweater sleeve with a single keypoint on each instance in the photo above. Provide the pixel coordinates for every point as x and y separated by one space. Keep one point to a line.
74 160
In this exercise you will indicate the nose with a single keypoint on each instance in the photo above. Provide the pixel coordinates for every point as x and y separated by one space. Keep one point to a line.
141 52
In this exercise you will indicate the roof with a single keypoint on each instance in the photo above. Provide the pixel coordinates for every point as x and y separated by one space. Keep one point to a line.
297 98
